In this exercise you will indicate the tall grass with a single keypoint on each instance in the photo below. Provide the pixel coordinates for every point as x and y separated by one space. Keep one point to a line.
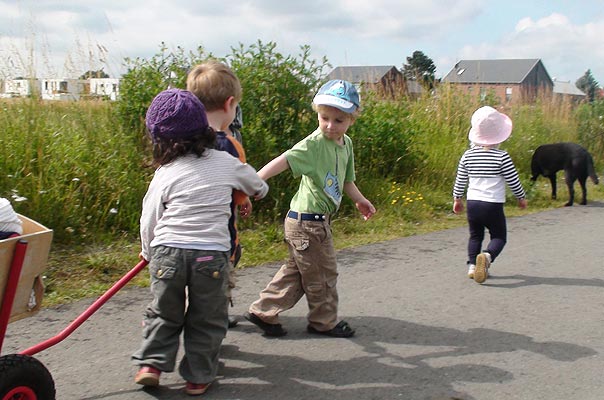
79 167
74 168
71 167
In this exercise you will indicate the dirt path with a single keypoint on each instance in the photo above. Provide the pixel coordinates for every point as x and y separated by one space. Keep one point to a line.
424 330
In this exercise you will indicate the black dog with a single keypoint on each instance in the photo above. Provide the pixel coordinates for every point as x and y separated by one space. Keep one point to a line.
572 158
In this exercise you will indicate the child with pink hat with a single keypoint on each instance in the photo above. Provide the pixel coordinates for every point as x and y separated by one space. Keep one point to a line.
485 170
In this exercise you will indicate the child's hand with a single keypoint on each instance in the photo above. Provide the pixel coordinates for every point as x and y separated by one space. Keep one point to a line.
366 208
457 206
246 208
522 203
140 256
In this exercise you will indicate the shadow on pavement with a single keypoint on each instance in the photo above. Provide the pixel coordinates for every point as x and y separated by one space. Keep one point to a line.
526 280
399 359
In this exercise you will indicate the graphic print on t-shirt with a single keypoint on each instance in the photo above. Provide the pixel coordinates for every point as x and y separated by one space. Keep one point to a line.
332 189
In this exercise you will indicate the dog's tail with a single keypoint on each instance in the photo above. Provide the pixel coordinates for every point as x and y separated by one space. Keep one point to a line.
590 169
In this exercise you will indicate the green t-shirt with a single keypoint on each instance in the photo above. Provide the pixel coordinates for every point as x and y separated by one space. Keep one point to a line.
324 166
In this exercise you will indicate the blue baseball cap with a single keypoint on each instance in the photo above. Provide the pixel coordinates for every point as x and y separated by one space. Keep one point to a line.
339 94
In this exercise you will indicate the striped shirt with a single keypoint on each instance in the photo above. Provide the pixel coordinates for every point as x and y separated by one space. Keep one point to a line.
188 202
485 172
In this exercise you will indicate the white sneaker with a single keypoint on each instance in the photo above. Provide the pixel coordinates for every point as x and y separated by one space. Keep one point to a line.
471 269
483 262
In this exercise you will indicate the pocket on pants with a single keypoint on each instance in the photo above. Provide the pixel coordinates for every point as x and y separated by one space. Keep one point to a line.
299 244
163 265
298 240
212 266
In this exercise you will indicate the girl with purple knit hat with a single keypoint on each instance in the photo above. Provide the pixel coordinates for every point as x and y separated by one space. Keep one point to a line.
185 238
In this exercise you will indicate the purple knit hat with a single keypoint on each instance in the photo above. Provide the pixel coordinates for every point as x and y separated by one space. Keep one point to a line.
175 113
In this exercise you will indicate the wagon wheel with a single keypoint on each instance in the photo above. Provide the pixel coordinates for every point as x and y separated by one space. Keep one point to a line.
25 378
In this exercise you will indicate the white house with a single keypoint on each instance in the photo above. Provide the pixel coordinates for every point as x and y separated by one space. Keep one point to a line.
20 87
62 89
104 87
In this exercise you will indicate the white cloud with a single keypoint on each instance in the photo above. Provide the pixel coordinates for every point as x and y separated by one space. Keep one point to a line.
66 35
566 49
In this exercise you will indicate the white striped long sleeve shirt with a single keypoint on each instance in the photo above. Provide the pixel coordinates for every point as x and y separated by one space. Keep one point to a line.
485 172
188 203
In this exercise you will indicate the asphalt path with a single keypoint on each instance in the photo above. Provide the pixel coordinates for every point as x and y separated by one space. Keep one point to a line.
425 331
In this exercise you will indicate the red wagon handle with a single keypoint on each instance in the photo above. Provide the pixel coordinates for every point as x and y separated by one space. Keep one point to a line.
11 286
91 310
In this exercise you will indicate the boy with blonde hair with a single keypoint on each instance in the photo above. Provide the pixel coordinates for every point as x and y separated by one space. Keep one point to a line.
185 238
325 162
219 89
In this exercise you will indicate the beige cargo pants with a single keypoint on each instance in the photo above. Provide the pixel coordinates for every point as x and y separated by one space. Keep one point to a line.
311 270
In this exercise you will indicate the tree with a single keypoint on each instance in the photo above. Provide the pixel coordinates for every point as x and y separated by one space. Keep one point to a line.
420 68
588 85
94 74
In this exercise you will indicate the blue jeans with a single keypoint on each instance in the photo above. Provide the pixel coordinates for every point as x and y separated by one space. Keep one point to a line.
484 215
189 296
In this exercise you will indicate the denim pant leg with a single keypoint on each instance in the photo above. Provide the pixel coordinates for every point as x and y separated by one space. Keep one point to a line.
206 317
164 317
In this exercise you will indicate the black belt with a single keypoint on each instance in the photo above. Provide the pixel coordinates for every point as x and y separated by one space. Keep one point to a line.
307 217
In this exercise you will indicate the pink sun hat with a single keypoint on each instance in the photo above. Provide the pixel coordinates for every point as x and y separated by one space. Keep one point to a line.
489 127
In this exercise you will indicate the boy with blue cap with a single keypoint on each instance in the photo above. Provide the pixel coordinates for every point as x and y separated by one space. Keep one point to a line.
325 162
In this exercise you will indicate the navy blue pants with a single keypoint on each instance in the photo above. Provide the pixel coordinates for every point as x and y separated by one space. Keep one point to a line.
481 215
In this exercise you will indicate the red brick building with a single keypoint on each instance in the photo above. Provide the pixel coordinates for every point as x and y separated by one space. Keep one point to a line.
510 80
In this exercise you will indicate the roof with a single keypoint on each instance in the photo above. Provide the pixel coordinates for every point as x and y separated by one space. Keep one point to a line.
563 87
358 74
491 71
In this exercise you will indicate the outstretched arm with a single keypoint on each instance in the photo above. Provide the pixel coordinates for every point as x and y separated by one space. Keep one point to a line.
274 167
362 204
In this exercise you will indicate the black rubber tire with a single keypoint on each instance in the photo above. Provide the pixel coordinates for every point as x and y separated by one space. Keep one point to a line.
26 377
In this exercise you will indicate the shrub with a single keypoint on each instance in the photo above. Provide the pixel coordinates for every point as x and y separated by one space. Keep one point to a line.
73 168
145 78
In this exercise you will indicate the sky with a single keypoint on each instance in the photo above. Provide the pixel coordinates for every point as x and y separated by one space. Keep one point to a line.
65 38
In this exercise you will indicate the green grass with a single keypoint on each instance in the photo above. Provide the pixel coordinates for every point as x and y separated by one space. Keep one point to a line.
80 167
76 272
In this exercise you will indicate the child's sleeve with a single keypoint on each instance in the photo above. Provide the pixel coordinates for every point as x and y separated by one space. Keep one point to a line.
301 158
350 169
248 181
508 170
152 211
461 179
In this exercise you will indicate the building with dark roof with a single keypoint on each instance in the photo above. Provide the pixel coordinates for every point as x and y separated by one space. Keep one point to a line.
384 79
509 79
